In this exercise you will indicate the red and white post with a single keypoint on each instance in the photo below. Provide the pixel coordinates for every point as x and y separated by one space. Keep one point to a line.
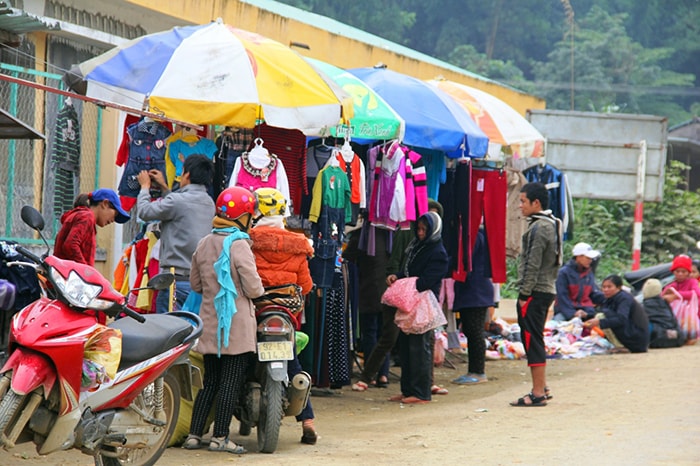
639 205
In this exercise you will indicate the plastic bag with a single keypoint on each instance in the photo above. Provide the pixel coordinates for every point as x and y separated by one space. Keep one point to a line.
418 312
686 312
103 351
439 348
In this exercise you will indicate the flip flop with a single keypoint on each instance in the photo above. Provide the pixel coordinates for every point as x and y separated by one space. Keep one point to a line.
359 386
469 380
412 400
438 390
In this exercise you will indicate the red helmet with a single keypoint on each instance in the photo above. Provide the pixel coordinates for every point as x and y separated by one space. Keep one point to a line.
234 202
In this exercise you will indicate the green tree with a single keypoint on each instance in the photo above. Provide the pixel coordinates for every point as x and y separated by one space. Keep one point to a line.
612 72
467 57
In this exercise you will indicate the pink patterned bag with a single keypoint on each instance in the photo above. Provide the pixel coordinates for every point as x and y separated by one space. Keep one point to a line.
418 312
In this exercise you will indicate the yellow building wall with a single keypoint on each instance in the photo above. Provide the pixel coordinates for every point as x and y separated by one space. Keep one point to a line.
326 46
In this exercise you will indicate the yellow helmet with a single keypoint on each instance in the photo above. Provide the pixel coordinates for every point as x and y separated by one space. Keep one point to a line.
270 202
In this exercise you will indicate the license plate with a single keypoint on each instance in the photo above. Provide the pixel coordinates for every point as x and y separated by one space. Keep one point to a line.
275 350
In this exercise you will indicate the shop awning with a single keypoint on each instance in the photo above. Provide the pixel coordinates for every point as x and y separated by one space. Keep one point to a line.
13 128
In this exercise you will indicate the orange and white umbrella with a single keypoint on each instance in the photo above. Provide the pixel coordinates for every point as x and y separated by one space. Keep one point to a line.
503 125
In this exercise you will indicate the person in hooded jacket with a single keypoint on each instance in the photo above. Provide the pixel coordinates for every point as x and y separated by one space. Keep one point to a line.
77 238
427 260
663 325
282 257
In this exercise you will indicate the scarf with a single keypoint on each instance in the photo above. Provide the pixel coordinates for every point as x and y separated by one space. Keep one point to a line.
433 236
225 299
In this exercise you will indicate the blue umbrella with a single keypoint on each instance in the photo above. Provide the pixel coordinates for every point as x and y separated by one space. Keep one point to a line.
433 119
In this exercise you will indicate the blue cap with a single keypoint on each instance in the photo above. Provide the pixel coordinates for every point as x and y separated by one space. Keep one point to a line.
106 194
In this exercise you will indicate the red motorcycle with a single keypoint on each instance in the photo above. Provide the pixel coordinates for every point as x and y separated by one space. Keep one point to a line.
128 419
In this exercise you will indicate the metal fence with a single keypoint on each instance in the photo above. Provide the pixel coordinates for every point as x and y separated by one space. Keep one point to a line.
27 169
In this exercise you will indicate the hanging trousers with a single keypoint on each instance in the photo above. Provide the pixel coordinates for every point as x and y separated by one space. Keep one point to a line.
489 197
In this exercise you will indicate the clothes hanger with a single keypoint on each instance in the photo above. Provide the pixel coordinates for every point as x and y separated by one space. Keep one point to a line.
334 162
259 155
347 151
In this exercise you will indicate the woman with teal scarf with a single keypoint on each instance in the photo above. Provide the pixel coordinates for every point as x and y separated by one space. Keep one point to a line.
224 272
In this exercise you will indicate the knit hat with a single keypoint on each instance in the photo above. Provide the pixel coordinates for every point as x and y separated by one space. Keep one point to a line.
651 288
682 262
432 204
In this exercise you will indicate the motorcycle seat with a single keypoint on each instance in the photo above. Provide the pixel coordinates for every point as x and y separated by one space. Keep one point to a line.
636 278
141 341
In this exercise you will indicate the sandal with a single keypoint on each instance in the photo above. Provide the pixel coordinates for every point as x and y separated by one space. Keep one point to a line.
382 382
547 393
413 400
192 442
470 379
224 444
359 386
535 401
438 390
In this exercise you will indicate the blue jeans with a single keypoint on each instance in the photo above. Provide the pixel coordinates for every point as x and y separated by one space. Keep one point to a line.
182 290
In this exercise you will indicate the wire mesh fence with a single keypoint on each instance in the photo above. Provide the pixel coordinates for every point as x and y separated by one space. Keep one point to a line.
41 173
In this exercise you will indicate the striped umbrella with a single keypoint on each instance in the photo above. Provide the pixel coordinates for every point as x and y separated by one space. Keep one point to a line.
217 74
502 123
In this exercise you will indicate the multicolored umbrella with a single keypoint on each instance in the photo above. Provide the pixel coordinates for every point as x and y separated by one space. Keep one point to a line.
217 74
433 119
502 123
374 119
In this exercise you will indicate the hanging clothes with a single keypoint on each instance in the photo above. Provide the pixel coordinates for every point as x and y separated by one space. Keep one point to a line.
399 191
289 145
65 159
252 173
354 168
516 224
435 170
559 195
230 144
488 199
146 152
317 157
455 196
330 211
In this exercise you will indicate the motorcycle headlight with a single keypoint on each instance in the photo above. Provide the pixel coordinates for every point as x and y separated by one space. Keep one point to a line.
78 292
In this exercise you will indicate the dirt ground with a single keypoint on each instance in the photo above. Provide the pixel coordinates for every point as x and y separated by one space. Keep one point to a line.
623 409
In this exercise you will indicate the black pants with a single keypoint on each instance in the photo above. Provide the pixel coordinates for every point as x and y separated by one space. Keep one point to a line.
416 353
223 380
472 320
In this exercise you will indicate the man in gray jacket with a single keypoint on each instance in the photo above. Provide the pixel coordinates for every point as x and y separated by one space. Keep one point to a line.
540 259
185 218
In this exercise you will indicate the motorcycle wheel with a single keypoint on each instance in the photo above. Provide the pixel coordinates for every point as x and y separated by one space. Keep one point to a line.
171 405
10 409
270 416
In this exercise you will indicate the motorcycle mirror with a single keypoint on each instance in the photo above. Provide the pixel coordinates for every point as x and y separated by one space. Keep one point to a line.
161 281
32 217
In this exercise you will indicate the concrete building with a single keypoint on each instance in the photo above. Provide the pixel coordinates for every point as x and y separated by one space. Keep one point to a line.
41 39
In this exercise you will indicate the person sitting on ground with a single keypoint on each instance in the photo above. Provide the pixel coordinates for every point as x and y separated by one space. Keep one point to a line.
663 326
683 284
623 319
577 292
282 258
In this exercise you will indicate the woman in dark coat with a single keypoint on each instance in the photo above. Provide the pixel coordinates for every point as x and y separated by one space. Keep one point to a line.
623 315
663 325
426 259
